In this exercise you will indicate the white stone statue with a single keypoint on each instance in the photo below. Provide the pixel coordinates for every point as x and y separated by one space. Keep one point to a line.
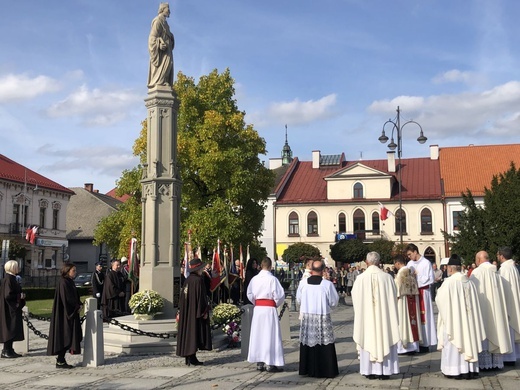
160 46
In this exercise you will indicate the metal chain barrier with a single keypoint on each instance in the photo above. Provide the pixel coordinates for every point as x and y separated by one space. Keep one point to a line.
35 317
139 331
31 327
285 306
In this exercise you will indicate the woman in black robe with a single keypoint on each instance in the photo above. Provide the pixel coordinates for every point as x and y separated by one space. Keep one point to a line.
65 331
194 330
12 301
251 272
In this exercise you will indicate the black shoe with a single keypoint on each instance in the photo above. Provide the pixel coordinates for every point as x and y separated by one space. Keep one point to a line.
194 361
274 369
260 366
424 349
9 355
384 377
63 365
371 377
509 363
187 360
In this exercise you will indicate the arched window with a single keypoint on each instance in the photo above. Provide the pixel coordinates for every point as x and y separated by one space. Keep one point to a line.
312 223
429 253
342 223
359 223
400 221
294 224
375 223
358 191
426 221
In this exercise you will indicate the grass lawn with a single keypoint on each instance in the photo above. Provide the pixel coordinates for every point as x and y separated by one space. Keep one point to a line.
43 307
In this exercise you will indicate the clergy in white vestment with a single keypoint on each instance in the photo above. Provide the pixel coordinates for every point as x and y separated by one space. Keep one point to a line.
511 277
407 307
423 271
494 313
376 324
460 326
266 293
317 296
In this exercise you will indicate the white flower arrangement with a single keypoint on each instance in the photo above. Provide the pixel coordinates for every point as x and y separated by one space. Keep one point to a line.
146 302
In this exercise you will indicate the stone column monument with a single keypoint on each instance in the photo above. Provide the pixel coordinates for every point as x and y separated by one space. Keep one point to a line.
161 185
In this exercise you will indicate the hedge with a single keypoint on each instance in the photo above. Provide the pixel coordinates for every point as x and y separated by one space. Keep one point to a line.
37 293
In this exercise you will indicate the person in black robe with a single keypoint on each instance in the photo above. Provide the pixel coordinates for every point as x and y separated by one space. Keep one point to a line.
12 301
251 272
194 332
98 278
65 331
113 299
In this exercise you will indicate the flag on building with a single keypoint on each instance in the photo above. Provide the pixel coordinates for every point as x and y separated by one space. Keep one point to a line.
216 269
385 213
133 263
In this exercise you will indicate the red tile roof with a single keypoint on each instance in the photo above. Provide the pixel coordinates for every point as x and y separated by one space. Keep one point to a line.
12 171
421 180
473 167
112 193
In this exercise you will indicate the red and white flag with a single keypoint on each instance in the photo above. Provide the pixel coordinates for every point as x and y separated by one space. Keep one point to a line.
242 265
216 269
385 213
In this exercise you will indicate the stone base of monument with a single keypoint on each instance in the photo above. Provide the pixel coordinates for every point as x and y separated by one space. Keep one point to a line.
119 341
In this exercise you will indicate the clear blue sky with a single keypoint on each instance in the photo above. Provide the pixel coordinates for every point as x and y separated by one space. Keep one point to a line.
73 75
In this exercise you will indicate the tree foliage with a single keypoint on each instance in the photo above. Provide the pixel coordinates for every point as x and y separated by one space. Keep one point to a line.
295 252
494 224
225 185
16 250
385 248
349 251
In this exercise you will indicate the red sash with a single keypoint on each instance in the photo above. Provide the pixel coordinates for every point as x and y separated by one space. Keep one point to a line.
265 302
412 312
421 303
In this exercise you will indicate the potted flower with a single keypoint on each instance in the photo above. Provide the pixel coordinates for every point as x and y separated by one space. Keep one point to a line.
228 316
146 304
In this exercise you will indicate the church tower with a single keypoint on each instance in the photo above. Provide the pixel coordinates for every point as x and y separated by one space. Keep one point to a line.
286 151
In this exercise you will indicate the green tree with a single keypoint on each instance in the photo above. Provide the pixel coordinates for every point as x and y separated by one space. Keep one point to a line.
494 224
16 250
349 251
225 185
295 252
385 248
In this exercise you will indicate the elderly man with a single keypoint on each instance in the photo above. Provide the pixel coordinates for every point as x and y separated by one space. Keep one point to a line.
511 277
376 324
317 297
408 308
460 325
266 293
113 297
423 271
494 313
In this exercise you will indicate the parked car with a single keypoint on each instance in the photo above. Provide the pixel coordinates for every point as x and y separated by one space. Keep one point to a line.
83 280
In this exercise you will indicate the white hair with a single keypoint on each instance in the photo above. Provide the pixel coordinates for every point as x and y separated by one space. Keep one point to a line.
11 267
373 258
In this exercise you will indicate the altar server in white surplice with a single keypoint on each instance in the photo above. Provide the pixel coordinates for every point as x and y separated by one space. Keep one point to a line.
423 271
494 312
460 326
511 277
266 293
376 324
317 296
408 308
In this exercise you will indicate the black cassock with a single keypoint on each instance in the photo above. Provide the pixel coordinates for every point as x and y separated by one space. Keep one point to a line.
194 332
65 330
11 305
113 304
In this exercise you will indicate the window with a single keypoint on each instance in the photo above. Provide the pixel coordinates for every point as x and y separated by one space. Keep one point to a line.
426 222
55 217
358 190
400 221
359 223
294 229
42 217
429 253
312 223
456 217
375 223
16 214
342 223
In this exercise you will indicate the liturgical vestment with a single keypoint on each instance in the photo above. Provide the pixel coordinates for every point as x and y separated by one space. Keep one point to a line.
409 311
512 290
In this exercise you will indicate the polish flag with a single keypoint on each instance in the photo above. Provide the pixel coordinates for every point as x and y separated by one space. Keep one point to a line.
385 213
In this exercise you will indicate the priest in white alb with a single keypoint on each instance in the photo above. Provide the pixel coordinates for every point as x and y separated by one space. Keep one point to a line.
494 313
317 297
460 326
376 324
511 277
266 293
408 308
423 271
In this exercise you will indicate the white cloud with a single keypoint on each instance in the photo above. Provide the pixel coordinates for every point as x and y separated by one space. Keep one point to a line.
16 87
456 76
95 107
469 114
297 112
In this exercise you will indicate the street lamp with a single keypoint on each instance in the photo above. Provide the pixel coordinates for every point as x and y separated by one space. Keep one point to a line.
398 127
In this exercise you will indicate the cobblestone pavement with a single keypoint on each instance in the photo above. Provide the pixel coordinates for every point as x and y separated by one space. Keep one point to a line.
226 369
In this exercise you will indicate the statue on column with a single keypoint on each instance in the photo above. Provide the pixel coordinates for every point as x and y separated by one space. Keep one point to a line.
160 46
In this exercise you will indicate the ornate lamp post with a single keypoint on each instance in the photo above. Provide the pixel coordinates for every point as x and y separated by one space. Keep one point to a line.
398 127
